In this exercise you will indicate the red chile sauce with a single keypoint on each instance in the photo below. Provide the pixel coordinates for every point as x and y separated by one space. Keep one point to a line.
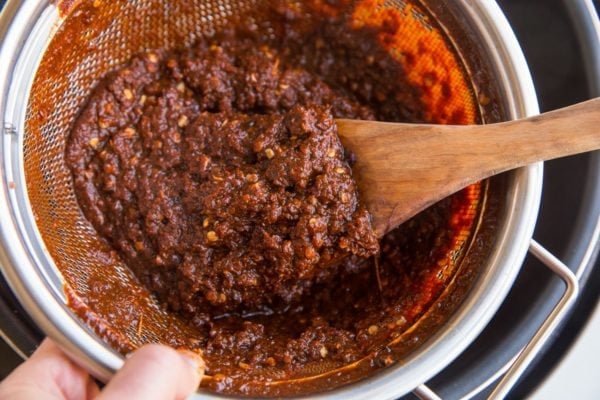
314 66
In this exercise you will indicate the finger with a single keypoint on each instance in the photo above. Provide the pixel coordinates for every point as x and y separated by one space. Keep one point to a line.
156 372
48 374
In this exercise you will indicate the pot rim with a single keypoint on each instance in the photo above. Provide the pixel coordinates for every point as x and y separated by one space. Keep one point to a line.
37 283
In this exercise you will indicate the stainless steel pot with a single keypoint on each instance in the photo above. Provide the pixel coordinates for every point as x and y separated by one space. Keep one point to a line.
25 30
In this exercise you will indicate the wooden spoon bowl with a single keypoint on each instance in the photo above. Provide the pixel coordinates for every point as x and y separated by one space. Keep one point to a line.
403 168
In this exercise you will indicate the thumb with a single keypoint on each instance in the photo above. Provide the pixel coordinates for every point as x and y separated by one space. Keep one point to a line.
156 372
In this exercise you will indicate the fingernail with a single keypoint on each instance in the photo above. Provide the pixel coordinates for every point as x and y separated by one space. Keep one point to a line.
194 360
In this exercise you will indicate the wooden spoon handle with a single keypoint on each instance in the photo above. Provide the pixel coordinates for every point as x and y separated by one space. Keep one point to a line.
570 130
403 168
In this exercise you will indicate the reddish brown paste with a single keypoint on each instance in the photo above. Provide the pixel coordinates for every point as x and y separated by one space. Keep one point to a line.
217 175
218 190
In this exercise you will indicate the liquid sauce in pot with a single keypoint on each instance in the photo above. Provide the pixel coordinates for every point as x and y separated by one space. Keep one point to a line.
216 174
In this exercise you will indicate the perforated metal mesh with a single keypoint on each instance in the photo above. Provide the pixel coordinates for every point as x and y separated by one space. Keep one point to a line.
98 35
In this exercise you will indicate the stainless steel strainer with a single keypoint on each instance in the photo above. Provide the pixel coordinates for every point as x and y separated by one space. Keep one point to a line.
56 54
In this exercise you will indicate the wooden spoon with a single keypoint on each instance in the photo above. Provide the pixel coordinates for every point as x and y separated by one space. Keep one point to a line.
403 168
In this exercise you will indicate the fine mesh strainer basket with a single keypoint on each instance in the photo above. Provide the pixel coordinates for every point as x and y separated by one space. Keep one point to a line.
82 294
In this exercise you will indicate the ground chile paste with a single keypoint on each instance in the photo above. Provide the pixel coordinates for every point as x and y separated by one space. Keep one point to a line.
216 173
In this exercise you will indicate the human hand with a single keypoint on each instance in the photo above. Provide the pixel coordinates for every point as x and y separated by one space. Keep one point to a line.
153 372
